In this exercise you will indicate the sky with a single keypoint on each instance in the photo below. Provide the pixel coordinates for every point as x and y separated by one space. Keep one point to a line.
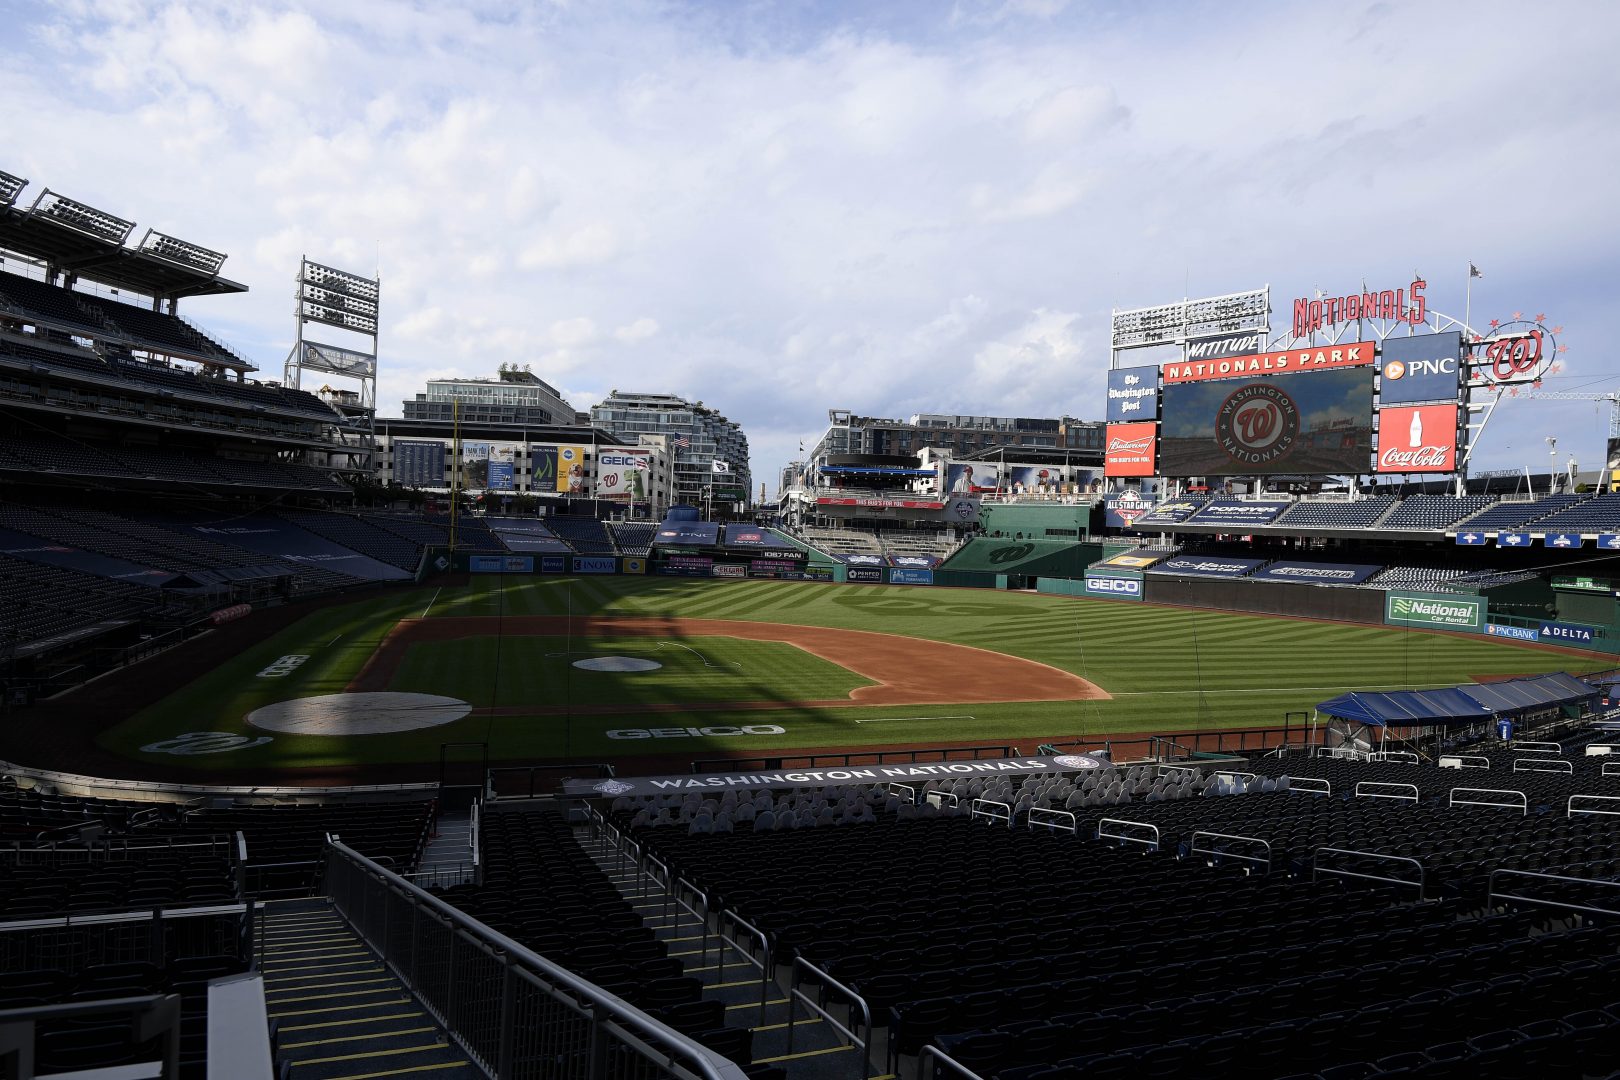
784 208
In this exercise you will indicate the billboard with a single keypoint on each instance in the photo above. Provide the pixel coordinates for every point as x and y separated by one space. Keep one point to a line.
1133 394
475 463
1121 511
1034 479
419 464
1237 512
1435 611
500 564
1613 476
1128 450
1206 566
1427 367
971 477
1288 362
864 574
594 564
1119 585
502 470
1222 347
907 575
622 473
1417 439
1316 422
1314 573
753 536
687 534
1135 559
1578 633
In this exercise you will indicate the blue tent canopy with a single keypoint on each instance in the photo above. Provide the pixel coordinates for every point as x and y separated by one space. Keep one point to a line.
1459 704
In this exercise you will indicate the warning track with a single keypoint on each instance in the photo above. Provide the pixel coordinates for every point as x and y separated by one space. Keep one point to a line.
904 671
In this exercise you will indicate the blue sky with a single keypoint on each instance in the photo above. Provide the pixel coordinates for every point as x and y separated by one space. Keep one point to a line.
785 208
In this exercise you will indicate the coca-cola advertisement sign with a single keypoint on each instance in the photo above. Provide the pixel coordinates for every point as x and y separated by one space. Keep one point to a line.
1129 450
1417 439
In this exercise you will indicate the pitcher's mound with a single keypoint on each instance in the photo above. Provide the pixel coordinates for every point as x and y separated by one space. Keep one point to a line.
617 663
358 714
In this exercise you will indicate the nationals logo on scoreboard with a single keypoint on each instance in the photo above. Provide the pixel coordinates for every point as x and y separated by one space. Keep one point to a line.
1257 423
1417 439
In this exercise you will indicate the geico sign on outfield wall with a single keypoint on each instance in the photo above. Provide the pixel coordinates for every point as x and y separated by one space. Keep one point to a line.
724 731
1114 586
1434 610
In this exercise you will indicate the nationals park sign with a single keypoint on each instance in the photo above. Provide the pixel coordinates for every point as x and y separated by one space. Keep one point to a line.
1435 611
589 787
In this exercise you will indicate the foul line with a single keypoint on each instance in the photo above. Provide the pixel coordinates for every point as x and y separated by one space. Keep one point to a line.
433 601
891 719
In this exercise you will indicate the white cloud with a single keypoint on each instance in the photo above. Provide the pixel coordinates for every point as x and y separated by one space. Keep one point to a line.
929 210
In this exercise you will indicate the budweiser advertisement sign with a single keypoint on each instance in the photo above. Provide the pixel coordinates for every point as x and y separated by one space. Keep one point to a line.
1417 439
880 503
1288 361
1129 450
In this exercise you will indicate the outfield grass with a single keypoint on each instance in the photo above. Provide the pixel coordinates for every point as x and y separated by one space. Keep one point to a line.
1167 669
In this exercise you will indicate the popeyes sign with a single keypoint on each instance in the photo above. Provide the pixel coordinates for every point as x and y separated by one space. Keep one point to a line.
1417 439
1129 450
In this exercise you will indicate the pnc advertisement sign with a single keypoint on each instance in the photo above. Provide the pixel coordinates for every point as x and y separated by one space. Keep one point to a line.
1322 358
1437 611
1417 439
1423 368
1129 450
1133 394
1117 585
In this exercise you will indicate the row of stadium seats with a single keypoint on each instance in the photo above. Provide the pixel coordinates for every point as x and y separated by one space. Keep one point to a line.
140 327
1416 513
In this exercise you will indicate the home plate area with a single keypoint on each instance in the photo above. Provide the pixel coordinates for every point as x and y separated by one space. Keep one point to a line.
366 713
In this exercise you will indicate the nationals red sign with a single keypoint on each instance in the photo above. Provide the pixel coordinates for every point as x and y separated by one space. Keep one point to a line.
1276 363
1417 439
1129 450
1406 305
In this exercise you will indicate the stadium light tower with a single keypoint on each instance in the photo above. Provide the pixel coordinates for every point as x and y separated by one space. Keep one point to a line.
349 302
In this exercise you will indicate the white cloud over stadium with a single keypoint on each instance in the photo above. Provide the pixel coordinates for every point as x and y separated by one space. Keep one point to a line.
784 209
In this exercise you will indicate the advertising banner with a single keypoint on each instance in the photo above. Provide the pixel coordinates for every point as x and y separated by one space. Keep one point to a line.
915 562
687 534
728 570
1139 559
971 477
862 560
1518 633
622 473
500 564
752 536
1239 513
1133 394
543 469
818 573
880 503
419 464
1313 423
591 787
865 574
1423 368
1417 439
1121 511
553 564
1129 450
760 567
1584 584
670 570
905 575
595 564
1220 348
1323 358
1513 539
962 510
1436 611
1571 633
1613 473
502 470
1312 573
475 463
571 470
1115 585
1563 540
1206 566
703 561
633 565
1034 479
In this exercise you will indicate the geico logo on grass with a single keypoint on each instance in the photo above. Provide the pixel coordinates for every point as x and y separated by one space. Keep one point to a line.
695 732
203 742
283 667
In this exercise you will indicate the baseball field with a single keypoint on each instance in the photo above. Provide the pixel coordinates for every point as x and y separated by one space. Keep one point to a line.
598 668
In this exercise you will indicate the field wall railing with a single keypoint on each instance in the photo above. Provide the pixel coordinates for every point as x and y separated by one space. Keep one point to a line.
859 757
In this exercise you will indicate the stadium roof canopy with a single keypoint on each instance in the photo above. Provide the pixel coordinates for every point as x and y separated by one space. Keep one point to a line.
1459 704
161 267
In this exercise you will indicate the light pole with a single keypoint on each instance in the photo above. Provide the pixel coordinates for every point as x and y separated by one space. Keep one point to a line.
1552 462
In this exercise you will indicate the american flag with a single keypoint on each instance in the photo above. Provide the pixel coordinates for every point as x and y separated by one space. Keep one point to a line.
682 441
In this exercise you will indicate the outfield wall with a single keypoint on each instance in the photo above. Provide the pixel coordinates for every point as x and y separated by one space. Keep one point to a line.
1268 598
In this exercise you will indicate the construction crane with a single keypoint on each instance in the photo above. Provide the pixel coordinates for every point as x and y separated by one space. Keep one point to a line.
1612 397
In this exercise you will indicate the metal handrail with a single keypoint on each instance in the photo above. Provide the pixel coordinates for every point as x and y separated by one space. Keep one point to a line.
608 1014
1294 783
1317 868
1055 825
765 963
152 1015
1526 764
1492 896
1414 797
1405 757
1601 749
903 791
1523 805
930 1051
975 811
1611 768
1535 747
1462 761
1123 838
795 994
1194 849
1569 804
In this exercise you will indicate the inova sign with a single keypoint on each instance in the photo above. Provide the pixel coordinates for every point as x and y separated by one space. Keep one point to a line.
1433 610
